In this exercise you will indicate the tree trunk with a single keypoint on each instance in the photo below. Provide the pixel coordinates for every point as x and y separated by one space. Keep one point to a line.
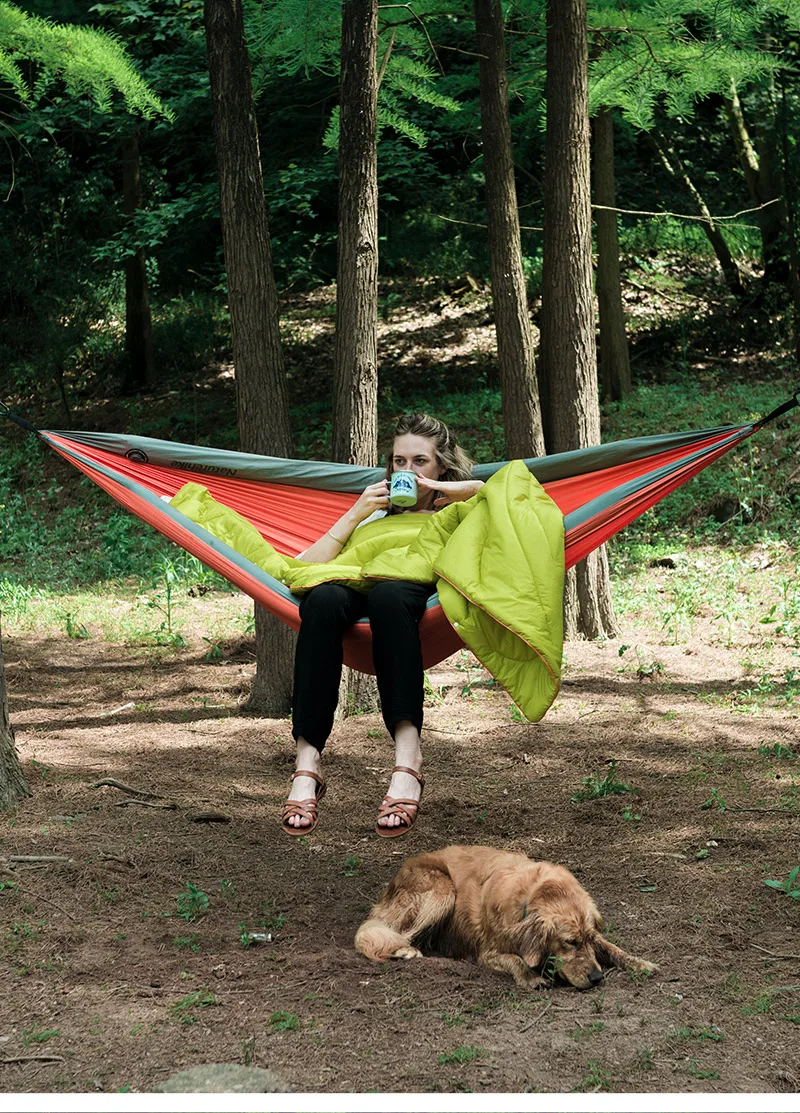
13 786
568 357
760 186
675 168
522 419
355 406
614 363
355 413
140 370
261 395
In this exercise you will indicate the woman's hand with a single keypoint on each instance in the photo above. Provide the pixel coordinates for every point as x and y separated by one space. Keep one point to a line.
453 491
375 497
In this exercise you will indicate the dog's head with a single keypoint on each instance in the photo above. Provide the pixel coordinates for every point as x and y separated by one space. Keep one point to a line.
560 930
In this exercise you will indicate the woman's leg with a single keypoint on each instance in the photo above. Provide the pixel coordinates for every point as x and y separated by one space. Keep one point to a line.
325 613
395 609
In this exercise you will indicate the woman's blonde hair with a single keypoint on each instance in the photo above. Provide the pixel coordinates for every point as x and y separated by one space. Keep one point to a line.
450 455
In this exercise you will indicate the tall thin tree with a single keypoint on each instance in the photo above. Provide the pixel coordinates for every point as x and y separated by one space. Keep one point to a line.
522 420
355 404
140 371
261 394
355 409
568 357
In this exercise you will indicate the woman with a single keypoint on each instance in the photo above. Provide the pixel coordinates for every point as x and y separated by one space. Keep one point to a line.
425 446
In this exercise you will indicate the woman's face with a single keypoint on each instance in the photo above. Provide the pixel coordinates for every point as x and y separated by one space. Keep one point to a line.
417 454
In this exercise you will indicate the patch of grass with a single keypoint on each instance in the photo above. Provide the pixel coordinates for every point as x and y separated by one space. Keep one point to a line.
630 816
38 1035
596 786
202 999
644 1060
596 1079
759 1007
187 942
353 866
694 1068
688 1032
283 1021
271 921
715 800
461 1055
778 751
586 1031
731 990
452 1019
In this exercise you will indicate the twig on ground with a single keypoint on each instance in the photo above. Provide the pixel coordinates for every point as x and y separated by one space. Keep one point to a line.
52 903
536 1019
170 807
110 782
33 1058
773 953
38 858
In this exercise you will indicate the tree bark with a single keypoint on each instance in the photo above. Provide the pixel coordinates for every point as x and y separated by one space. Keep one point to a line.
568 357
522 419
13 786
760 186
355 406
140 370
614 362
675 168
355 413
261 395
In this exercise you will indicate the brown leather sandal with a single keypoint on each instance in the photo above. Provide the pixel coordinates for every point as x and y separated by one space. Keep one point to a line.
402 808
306 809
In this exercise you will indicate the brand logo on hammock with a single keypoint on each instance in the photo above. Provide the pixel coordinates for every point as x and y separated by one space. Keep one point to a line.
209 469
137 456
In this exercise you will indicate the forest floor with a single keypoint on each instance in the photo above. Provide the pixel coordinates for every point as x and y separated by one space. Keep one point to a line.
126 962
129 959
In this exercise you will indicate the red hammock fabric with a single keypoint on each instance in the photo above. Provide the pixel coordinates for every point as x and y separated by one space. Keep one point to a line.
596 504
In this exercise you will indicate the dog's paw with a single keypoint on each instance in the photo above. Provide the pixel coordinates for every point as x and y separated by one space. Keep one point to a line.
406 952
642 966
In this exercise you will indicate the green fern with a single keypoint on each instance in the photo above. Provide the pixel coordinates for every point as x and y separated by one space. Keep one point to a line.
86 61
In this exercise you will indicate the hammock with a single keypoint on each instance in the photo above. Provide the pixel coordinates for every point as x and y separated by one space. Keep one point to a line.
292 503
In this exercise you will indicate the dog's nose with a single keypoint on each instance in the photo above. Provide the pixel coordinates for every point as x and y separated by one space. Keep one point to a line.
595 976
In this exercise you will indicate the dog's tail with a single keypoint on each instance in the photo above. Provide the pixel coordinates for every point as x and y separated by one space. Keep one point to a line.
378 941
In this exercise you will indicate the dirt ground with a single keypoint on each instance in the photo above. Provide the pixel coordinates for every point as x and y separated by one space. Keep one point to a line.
127 962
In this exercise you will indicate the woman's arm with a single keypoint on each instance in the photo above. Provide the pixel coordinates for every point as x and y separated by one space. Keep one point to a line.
375 497
455 491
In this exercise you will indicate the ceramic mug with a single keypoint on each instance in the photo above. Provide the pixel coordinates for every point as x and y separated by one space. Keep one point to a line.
403 489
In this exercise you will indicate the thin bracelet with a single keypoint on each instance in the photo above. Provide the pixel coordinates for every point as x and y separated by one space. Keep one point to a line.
336 539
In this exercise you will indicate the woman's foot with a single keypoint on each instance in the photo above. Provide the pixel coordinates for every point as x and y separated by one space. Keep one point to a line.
300 812
307 789
400 807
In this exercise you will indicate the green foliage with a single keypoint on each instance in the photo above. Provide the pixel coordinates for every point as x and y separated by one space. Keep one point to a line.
283 1021
192 904
182 1010
84 60
596 786
791 886
674 53
461 1055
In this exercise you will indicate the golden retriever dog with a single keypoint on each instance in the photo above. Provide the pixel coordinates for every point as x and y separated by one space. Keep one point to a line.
511 913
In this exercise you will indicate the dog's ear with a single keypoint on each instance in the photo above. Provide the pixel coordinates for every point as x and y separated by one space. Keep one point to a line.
531 939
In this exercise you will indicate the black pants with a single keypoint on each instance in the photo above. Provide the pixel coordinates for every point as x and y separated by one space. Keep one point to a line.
394 608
